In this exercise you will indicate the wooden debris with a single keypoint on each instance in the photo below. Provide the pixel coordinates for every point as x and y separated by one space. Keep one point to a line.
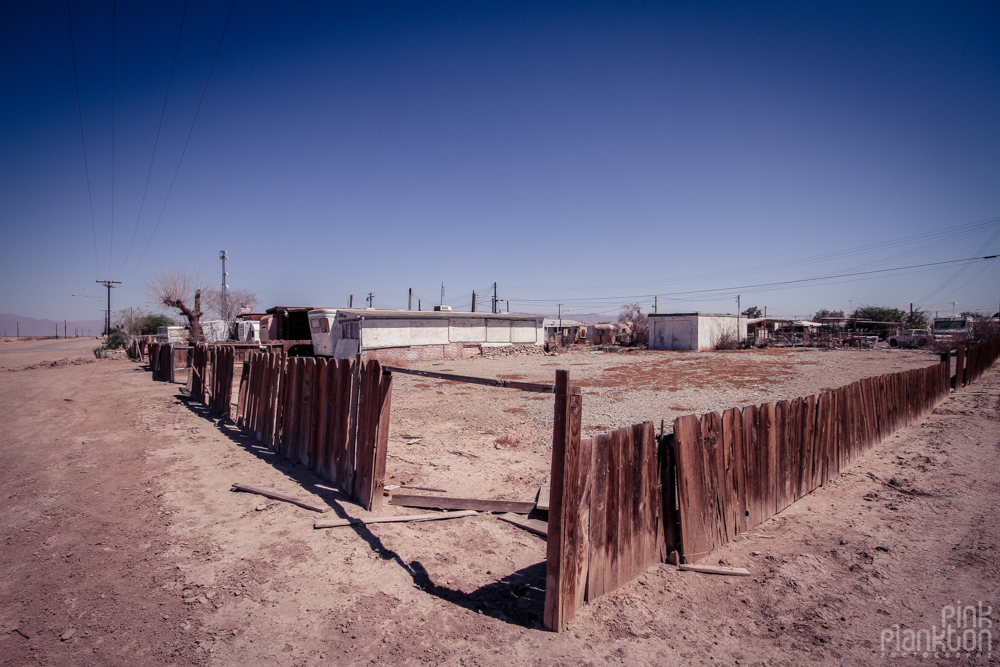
716 569
279 496
531 525
508 384
334 523
444 503
423 488
542 500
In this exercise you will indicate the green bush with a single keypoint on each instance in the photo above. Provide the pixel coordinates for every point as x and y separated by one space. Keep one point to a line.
115 339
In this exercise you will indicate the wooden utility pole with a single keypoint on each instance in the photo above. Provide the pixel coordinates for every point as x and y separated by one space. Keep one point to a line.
409 300
473 300
107 321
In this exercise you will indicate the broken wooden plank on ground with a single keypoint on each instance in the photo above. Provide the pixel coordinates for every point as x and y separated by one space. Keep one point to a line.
274 495
445 503
542 500
334 523
488 382
531 525
716 569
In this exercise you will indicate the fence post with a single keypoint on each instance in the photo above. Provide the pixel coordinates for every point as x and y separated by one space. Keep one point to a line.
564 554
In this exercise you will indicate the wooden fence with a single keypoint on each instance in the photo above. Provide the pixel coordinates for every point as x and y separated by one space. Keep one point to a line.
975 359
332 416
623 501
738 469
223 362
605 509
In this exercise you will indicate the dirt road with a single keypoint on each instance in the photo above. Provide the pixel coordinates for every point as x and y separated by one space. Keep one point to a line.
122 544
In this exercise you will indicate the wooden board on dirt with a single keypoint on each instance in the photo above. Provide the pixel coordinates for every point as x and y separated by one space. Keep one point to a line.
542 500
279 496
716 569
443 503
531 525
436 516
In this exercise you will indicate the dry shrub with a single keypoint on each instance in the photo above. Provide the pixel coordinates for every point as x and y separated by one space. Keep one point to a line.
517 411
727 341
506 441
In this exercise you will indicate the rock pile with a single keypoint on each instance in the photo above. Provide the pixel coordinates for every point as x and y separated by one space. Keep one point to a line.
505 351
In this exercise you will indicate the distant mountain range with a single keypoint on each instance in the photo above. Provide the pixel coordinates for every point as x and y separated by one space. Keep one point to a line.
29 326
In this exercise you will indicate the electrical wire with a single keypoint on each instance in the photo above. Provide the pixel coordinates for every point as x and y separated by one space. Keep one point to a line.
762 286
961 270
947 236
188 140
156 143
114 28
86 165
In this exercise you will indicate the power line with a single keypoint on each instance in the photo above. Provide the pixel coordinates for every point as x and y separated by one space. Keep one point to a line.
766 285
86 166
114 27
948 236
186 141
961 270
157 141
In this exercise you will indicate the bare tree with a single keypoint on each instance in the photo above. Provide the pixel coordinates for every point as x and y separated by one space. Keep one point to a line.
632 314
228 308
182 292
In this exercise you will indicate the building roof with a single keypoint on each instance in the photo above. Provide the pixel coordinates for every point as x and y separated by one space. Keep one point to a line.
692 315
381 314
290 309
551 322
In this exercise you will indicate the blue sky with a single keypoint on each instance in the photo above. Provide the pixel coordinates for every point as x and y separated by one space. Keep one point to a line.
583 154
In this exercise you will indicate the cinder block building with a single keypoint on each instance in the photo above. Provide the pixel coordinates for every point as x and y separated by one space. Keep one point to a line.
692 331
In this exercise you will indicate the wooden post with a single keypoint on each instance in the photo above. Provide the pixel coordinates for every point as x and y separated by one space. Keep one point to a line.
567 546
959 367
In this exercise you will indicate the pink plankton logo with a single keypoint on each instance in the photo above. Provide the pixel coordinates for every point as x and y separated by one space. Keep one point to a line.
964 631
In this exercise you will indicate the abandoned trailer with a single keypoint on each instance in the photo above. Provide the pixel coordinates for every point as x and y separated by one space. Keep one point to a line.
400 336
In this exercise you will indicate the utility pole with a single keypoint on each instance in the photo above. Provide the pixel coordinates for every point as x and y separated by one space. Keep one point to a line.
494 298
224 256
64 330
560 318
418 305
409 301
508 305
473 300
371 300
351 302
656 305
442 294
107 320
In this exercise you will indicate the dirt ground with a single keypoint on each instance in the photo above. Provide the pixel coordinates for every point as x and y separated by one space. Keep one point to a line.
123 544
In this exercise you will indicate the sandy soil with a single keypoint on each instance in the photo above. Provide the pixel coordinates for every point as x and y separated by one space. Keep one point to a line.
122 543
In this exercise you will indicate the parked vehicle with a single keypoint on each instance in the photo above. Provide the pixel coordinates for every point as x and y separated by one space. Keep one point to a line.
911 338
951 328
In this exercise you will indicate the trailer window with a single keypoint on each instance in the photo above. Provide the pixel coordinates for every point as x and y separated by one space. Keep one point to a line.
349 330
324 325
314 324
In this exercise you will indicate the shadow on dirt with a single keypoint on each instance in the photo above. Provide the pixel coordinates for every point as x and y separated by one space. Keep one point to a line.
518 598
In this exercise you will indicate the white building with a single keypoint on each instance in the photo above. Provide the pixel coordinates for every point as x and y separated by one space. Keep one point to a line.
693 331
406 335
